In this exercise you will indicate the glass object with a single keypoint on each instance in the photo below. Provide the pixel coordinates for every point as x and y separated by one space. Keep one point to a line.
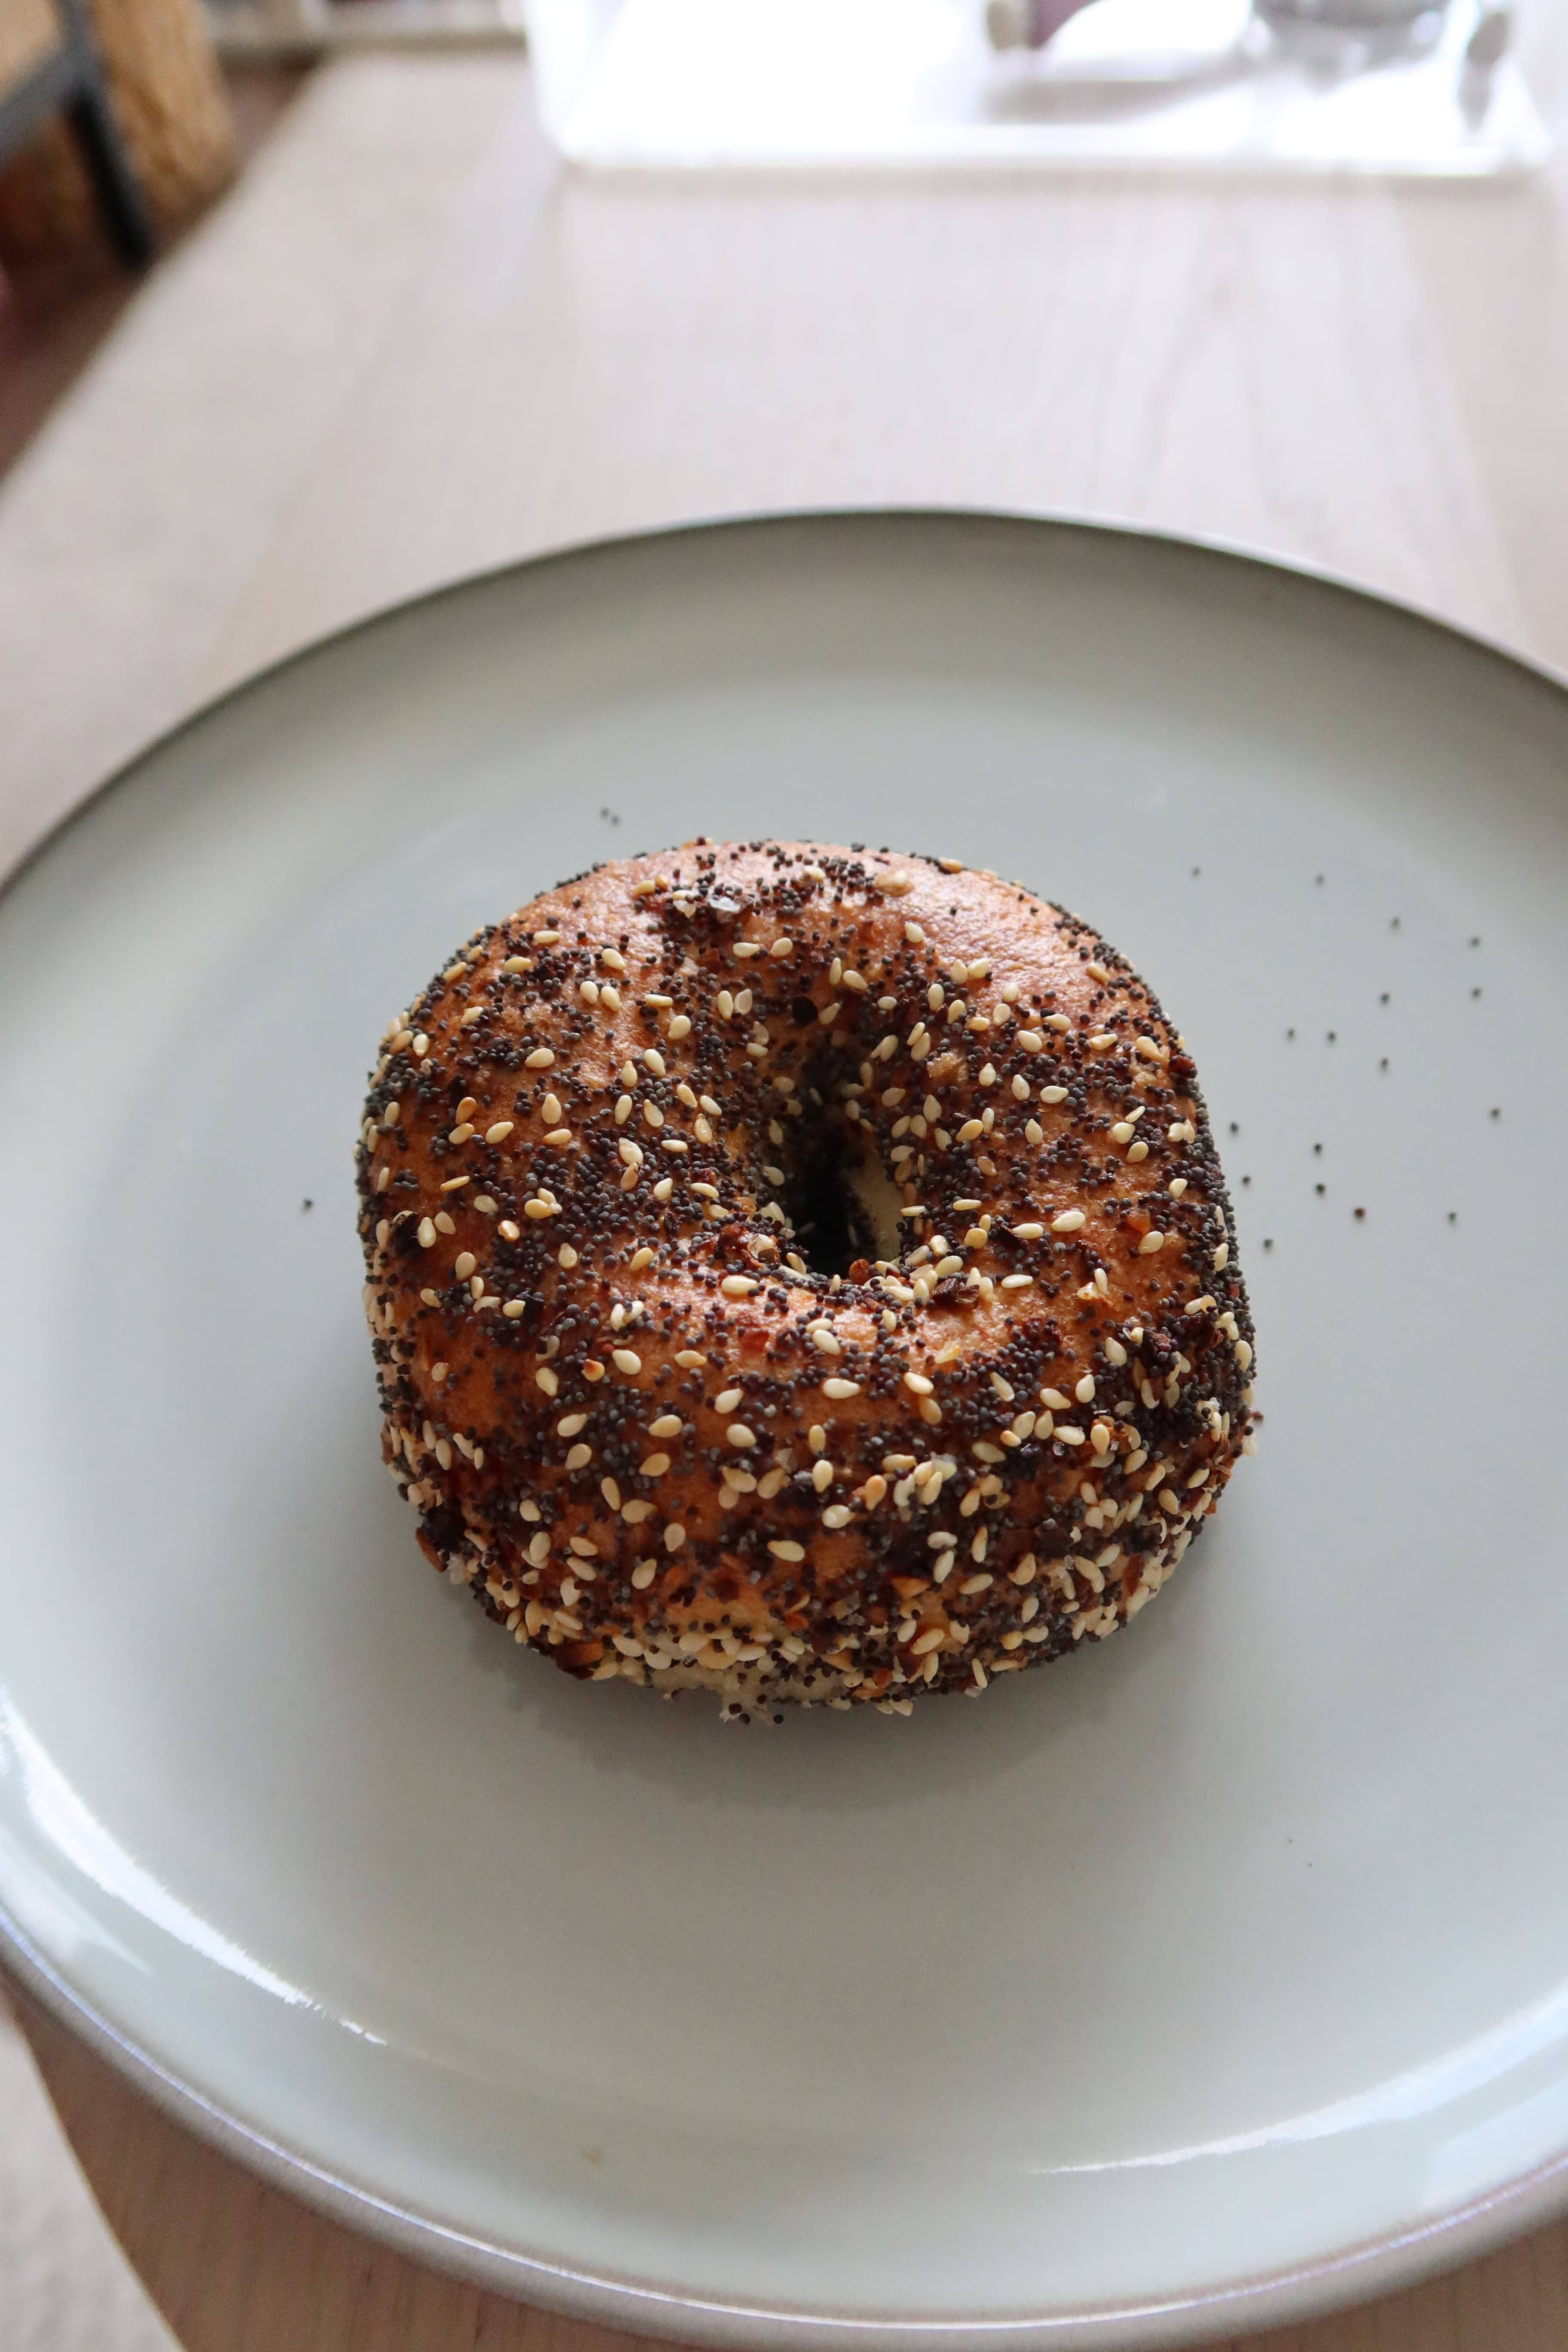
1335 86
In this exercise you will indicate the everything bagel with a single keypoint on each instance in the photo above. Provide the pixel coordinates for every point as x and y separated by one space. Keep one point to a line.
801 1272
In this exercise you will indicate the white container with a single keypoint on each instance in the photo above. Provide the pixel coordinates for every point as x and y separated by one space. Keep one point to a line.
747 85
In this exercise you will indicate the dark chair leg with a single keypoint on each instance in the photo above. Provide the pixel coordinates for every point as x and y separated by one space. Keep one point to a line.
114 182
91 118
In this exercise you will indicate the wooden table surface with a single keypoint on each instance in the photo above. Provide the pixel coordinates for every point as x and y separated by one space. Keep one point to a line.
407 349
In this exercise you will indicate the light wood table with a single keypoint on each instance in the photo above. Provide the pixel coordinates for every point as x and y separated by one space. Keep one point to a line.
408 349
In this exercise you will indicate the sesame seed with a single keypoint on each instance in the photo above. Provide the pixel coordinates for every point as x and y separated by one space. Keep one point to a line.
1084 1391
454 1184
426 1233
663 1189
785 1551
500 1131
443 1223
1017 1281
571 1424
627 1360
464 1264
782 949
541 1058
839 1390
838 1515
514 1308
740 1435
546 1380
737 1285
915 936
643 1574
1150 1244
689 1360
674 1536
821 1337
1071 1220
727 1402
579 1456
917 1383
681 1027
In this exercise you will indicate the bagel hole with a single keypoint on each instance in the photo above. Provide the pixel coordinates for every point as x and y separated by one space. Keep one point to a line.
842 1202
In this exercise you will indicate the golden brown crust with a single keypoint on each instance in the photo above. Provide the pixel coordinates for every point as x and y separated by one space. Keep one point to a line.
658 1439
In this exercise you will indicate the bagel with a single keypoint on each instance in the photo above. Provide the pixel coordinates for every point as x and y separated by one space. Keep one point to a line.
800 1272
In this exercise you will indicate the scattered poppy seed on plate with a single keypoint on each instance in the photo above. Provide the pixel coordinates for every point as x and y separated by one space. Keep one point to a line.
1361 1212
1319 1188
1475 992
1268 1243
1383 1064
307 1204
1495 1112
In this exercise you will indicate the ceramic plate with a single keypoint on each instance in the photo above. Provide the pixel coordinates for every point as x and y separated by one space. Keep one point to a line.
1196 1981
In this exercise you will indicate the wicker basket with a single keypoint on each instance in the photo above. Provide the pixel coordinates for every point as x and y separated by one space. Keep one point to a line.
174 114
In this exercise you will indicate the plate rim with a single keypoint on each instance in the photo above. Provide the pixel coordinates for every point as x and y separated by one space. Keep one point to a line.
1389 2260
